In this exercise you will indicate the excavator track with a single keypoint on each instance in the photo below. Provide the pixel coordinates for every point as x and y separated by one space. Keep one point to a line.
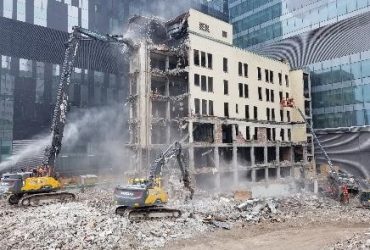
40 199
148 213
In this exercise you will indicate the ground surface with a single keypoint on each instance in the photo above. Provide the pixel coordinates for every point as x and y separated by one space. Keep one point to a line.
300 221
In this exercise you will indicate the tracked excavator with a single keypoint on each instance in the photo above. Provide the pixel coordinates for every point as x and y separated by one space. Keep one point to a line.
41 184
145 198
338 180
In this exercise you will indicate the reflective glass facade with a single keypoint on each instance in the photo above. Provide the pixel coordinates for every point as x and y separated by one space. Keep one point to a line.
317 34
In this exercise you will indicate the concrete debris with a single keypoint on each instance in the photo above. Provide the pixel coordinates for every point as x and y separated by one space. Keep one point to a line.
90 222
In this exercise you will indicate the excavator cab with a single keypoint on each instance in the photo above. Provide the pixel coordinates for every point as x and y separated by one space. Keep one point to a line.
365 198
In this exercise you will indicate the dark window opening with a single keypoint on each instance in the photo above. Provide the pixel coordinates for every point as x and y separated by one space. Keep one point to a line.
196 79
268 133
226 87
245 70
260 93
287 80
267 91
271 76
204 83
225 65
203 132
273 114
266 75
281 115
280 78
226 109
210 107
289 135
246 91
268 113
204 107
247 133
272 94
274 134
282 134
255 135
288 116
259 73
203 59
210 61
224 34
240 69
280 96
196 57
255 113
240 90
246 112
197 106
237 108
210 84
227 136
287 95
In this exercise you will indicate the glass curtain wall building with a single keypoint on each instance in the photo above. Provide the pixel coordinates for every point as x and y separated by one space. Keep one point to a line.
31 51
327 36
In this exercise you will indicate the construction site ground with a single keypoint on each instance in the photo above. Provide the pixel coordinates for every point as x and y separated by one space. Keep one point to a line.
298 221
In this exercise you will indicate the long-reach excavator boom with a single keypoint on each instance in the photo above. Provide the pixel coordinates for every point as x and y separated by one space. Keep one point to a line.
61 107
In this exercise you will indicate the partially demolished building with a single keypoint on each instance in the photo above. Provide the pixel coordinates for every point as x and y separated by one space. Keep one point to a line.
188 83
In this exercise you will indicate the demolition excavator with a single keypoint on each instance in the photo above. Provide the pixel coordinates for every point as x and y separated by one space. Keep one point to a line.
145 198
340 184
41 184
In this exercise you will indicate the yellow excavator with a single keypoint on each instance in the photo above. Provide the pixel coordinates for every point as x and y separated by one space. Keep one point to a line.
31 188
145 198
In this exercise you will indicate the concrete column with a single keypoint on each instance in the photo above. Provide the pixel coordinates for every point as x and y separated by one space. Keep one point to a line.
278 154
217 166
305 154
233 132
278 175
191 147
265 155
292 155
254 175
253 160
168 111
235 165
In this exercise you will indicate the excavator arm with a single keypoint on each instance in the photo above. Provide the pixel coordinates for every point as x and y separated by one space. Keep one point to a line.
174 150
61 106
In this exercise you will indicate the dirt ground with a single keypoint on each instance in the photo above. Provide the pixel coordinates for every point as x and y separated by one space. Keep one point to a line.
282 236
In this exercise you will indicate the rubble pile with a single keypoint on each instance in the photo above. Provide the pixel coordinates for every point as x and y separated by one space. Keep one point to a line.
90 222
358 241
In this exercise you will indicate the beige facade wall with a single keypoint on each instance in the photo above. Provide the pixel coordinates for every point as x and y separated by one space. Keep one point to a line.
213 43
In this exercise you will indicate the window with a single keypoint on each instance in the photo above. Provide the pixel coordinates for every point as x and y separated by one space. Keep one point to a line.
204 83
260 93
280 78
237 108
289 135
274 134
204 27
245 70
226 87
196 79
197 106
272 95
226 109
204 107
210 108
225 65
196 57
281 115
266 75
282 132
288 116
271 76
203 59
246 91
224 34
210 84
246 112
255 113
268 133
268 113
210 60
255 136
287 95
286 80
267 91
240 69
240 90
280 96
247 133
259 73
273 114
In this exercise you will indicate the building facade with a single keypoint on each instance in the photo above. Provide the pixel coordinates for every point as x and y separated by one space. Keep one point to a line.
329 39
191 84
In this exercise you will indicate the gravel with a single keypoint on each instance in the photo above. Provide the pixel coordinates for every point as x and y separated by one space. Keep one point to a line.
90 221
